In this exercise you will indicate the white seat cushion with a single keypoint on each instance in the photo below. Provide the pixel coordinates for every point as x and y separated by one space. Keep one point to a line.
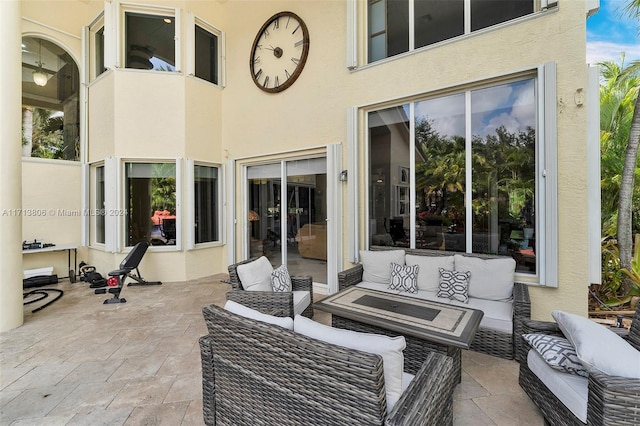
572 390
428 275
256 275
490 278
238 309
301 299
389 348
377 264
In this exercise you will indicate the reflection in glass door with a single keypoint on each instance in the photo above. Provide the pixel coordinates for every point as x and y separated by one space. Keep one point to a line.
287 221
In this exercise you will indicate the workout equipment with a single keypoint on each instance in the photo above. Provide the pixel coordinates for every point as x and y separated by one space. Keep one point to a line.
44 293
39 281
127 266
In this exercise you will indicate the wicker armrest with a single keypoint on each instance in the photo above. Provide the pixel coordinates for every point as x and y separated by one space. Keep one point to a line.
266 302
540 327
613 400
428 399
521 313
349 277
208 381
302 283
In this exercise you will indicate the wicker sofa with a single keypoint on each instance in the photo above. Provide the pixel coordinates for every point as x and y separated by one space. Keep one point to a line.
488 339
259 373
280 303
609 399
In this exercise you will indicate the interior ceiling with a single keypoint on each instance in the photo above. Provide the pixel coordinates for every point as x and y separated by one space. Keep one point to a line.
53 59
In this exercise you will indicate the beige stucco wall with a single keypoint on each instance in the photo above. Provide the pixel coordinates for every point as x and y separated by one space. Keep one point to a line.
155 115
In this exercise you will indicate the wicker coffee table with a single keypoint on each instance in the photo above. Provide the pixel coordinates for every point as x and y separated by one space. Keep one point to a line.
426 325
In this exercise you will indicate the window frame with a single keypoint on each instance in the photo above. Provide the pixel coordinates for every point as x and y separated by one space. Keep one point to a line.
98 24
150 10
194 21
94 209
546 165
123 235
190 211
358 30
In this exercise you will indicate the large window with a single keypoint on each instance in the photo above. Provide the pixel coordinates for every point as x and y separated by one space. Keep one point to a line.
50 101
150 196
96 60
150 41
100 206
206 204
473 170
206 53
398 26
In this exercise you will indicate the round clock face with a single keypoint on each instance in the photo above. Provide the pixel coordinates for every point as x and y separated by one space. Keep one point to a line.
279 52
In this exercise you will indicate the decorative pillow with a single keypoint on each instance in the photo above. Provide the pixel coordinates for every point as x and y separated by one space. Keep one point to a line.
404 278
280 279
256 275
429 276
389 348
454 285
238 309
599 349
558 353
377 264
491 279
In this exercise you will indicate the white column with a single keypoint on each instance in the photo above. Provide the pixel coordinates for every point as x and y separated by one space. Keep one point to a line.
10 166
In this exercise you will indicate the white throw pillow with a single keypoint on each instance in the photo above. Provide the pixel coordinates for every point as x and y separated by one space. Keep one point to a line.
491 279
256 275
428 276
454 285
389 348
599 349
238 309
377 264
280 279
404 278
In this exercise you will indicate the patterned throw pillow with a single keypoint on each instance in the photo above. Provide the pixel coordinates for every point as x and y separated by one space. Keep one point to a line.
558 352
280 279
404 278
454 285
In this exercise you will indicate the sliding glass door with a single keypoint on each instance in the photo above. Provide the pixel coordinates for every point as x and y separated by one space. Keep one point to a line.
287 213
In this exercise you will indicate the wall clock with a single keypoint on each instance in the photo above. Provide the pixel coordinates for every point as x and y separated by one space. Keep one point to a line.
279 52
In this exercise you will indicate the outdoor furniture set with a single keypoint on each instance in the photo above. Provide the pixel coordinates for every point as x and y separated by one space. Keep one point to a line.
579 372
489 288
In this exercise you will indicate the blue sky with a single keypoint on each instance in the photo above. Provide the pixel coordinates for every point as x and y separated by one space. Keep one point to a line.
610 32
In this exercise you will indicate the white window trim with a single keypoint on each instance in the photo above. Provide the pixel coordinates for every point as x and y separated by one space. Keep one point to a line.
90 71
192 22
189 210
125 8
593 177
91 228
546 159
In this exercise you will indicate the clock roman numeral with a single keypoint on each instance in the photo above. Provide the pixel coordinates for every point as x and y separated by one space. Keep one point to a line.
276 23
258 74
295 60
299 43
288 20
276 83
297 28
266 32
266 82
286 74
256 60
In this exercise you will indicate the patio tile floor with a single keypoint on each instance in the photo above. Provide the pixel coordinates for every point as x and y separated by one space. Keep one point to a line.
79 362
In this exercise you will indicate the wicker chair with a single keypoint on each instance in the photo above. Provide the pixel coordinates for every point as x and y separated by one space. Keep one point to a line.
488 341
612 400
256 373
273 303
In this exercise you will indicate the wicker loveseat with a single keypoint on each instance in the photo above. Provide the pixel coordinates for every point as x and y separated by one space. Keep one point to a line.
488 339
259 373
609 399
281 303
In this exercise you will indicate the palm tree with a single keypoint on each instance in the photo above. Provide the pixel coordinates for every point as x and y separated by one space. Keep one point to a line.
625 242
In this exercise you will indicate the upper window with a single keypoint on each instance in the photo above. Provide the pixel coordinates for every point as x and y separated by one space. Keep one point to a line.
96 48
206 54
150 40
150 196
398 26
474 172
100 204
50 101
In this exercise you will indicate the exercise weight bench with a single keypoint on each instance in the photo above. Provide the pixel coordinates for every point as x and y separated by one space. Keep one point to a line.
127 266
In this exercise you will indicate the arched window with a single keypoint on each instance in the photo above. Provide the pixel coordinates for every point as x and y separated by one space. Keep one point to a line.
50 101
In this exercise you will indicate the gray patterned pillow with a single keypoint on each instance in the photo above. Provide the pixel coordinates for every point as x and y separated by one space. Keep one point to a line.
280 279
454 285
557 352
404 278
